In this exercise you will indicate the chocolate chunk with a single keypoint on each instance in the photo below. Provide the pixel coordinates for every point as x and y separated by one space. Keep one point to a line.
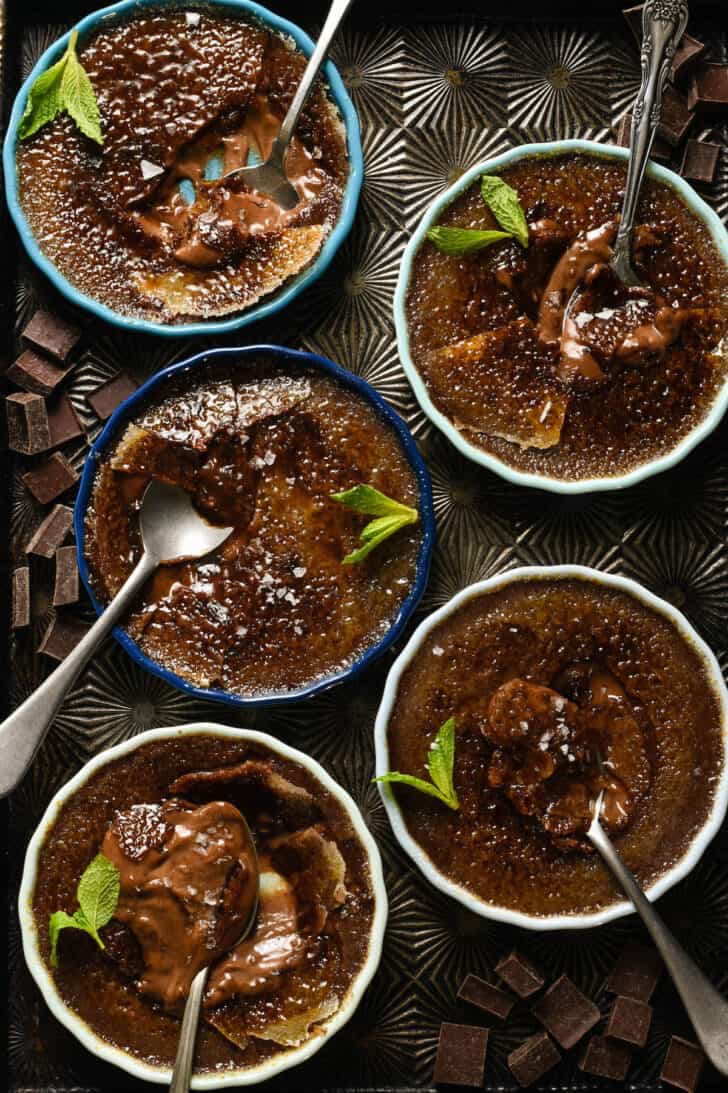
683 1064
486 997
62 637
66 585
21 597
606 1058
566 1012
52 334
51 532
700 161
534 1058
709 89
689 50
675 118
104 400
51 478
519 974
461 1055
636 973
36 373
629 1020
28 428
63 421
660 151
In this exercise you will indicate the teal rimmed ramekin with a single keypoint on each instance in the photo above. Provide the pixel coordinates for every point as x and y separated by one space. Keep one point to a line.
523 478
291 289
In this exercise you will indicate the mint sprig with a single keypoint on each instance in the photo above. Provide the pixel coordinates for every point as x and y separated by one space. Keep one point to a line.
440 765
63 86
97 895
502 200
457 242
389 515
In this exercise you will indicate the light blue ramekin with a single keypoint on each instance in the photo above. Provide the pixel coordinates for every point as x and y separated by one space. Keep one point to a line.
486 459
277 300
131 406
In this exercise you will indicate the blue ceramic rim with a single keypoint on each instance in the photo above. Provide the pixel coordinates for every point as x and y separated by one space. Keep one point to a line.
278 299
127 409
524 478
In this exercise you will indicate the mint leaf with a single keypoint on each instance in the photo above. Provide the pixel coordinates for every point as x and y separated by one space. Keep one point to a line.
440 764
390 516
502 200
458 242
44 100
97 895
59 920
64 86
369 500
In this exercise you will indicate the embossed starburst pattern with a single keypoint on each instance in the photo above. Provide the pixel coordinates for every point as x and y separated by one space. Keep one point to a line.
372 66
437 157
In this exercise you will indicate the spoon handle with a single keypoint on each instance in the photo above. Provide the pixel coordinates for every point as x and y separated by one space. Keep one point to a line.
182 1072
22 733
705 1007
663 25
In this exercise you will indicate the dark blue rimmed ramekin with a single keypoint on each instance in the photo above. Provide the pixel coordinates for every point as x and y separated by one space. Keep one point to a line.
278 299
129 409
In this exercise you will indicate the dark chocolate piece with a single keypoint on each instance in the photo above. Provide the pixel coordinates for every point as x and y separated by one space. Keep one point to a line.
636 972
606 1058
519 974
63 421
51 478
28 428
709 89
461 1055
51 533
629 1020
683 1064
62 637
700 161
689 50
534 1058
21 597
566 1012
660 151
675 118
52 334
66 585
486 997
104 400
36 373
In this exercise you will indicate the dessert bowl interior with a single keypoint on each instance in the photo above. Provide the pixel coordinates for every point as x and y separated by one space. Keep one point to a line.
688 196
445 883
280 298
131 406
112 1054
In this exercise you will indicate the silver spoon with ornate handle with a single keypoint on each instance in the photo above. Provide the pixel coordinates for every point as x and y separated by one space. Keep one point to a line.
705 1007
172 530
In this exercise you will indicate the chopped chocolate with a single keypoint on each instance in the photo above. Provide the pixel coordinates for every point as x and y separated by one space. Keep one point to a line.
51 533
709 89
689 50
21 597
520 974
49 479
566 1012
28 428
533 1058
63 421
62 637
700 161
606 1058
660 150
36 373
683 1064
636 972
486 997
52 334
629 1020
104 399
66 585
675 118
461 1055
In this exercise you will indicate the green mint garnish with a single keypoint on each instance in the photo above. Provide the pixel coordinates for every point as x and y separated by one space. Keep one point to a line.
502 200
390 517
440 763
458 242
97 895
63 86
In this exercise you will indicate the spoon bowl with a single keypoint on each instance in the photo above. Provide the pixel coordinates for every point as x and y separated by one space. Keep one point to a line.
172 528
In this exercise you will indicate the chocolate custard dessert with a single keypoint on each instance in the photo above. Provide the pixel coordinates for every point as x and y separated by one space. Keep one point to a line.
630 372
170 818
260 447
560 688
145 224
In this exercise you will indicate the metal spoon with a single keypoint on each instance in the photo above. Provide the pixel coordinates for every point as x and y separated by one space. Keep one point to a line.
705 1007
270 177
172 531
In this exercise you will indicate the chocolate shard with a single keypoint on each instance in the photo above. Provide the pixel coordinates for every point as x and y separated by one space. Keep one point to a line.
62 637
21 597
636 973
461 1052
606 1058
51 533
104 399
28 427
533 1058
700 162
660 151
683 1064
36 373
486 997
689 50
675 118
523 977
65 590
709 89
50 478
63 420
52 334
629 1020
566 1012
